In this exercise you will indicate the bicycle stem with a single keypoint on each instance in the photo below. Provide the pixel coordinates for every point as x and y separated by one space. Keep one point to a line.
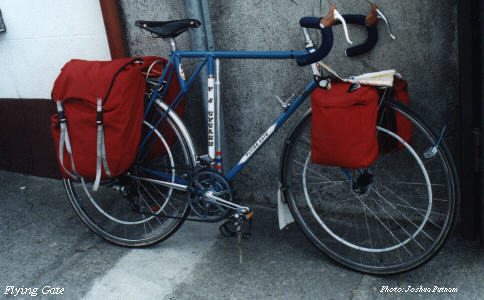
309 45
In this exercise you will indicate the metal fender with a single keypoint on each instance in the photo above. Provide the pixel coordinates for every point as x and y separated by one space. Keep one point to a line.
181 126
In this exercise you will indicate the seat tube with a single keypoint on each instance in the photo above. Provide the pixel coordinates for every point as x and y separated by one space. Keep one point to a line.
172 44
211 112
218 123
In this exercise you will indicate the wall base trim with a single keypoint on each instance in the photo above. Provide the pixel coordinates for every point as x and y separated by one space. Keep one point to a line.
26 144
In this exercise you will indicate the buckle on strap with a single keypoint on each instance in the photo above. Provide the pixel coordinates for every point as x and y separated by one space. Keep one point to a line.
60 112
64 141
101 160
99 118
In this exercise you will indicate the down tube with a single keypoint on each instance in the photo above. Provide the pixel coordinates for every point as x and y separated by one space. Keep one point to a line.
269 132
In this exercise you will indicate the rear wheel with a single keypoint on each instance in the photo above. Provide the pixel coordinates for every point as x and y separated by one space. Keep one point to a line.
132 212
396 217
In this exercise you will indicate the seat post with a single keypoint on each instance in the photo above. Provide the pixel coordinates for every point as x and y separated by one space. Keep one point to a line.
172 44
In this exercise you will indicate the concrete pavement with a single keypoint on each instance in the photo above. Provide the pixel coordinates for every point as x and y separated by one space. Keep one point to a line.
44 244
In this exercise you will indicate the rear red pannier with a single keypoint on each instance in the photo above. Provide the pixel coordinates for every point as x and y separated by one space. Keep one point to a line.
394 121
343 131
100 110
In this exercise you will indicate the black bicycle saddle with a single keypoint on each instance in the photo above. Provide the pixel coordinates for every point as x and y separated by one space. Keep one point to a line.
169 28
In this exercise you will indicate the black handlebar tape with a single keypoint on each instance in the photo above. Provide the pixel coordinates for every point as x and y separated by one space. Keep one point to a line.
321 52
371 39
326 44
310 22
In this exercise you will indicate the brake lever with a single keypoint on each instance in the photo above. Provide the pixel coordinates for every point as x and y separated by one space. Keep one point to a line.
339 17
382 16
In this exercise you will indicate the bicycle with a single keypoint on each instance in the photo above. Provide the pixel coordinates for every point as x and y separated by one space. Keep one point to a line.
398 219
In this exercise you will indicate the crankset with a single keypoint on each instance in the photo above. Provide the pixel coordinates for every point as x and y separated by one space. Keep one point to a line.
210 195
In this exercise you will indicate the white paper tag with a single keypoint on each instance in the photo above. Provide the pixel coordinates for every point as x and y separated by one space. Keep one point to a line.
284 214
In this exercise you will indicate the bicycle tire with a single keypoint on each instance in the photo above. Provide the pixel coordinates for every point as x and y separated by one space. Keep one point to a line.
134 217
340 237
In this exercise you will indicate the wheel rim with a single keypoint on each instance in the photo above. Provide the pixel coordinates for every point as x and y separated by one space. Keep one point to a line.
349 244
435 218
116 221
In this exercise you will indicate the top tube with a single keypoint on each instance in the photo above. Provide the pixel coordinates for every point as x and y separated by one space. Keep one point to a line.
241 54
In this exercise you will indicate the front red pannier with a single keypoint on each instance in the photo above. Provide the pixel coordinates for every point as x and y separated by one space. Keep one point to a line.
79 89
394 121
343 131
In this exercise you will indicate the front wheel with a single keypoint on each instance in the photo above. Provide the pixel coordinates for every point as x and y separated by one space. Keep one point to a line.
401 217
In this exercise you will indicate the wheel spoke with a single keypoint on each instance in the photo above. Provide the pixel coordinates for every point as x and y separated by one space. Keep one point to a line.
310 169
308 141
140 195
387 228
409 205
298 183
403 215
368 230
416 183
403 228
150 207
326 188
329 212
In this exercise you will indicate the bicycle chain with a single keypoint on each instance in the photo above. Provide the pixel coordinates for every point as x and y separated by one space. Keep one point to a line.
190 173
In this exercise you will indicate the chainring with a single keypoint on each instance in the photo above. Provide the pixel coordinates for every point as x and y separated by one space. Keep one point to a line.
203 207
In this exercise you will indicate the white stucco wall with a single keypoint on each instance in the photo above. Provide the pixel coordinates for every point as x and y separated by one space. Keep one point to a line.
41 36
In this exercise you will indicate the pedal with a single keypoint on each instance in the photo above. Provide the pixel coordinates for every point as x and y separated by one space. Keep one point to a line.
226 230
238 224
229 229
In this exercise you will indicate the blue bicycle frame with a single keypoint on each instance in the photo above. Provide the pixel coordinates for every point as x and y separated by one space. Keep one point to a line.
211 60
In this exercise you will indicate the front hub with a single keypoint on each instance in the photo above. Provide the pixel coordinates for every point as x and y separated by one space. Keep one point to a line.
363 182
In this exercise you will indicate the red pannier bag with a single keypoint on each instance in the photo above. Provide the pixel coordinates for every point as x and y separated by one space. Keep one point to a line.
394 121
343 126
100 111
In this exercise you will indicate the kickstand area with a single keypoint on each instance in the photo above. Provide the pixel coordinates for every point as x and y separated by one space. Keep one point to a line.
239 226
235 227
